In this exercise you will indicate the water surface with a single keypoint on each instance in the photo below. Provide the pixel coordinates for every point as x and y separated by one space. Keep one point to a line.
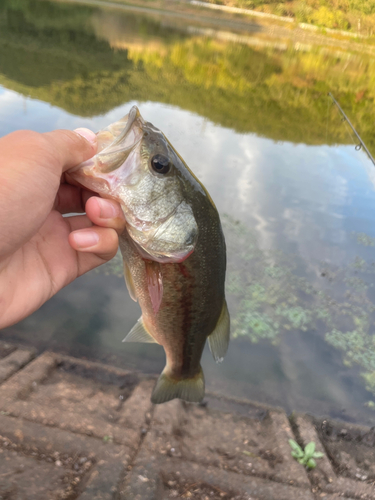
251 118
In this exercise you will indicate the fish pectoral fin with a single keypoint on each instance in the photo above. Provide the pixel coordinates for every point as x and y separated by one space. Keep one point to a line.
219 338
154 283
139 334
129 282
188 389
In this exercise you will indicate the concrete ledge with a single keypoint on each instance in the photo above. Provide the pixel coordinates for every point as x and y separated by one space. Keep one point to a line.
74 429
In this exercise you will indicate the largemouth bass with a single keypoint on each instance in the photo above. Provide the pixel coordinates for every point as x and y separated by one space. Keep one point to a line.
173 249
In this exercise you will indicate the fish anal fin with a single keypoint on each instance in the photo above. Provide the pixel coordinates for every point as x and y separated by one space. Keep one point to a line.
188 389
154 283
129 282
219 338
139 334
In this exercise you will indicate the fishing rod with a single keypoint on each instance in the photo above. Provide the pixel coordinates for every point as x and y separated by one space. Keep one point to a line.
361 143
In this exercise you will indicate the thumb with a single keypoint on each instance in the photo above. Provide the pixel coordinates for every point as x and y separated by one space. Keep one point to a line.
71 148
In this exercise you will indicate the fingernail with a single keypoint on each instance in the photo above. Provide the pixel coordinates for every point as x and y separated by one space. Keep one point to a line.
107 210
86 239
88 134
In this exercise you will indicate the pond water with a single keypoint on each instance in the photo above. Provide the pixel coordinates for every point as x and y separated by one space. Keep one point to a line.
251 117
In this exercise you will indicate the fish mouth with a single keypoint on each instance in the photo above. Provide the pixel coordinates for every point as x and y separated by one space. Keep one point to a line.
104 171
132 116
124 141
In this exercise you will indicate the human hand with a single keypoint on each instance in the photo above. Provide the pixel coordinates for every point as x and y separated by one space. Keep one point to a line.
40 250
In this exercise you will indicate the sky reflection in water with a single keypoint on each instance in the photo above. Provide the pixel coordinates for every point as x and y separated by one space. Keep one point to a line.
299 268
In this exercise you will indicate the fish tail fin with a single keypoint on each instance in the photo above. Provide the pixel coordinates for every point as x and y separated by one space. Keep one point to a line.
188 389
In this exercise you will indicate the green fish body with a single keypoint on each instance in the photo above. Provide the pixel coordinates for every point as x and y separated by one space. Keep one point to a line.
173 250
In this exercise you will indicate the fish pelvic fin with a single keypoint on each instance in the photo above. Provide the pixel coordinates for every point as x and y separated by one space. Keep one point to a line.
139 333
219 338
188 389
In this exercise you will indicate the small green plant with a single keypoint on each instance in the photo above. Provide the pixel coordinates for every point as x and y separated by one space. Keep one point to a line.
305 457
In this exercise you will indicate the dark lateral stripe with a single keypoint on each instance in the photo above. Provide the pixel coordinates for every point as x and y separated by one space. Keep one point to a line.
187 319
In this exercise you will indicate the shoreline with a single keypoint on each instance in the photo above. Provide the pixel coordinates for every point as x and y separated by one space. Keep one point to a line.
222 17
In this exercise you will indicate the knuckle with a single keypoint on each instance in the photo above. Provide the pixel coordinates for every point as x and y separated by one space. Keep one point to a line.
71 138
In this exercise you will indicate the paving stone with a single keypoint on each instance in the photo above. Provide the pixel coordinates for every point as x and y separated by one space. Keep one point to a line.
245 486
23 382
149 480
324 476
281 432
350 447
6 348
98 465
71 394
193 445
227 441
73 429
14 360
347 487
24 477
244 407
324 473
333 496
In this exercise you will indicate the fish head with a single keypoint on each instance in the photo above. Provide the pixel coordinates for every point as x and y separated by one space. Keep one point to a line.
138 167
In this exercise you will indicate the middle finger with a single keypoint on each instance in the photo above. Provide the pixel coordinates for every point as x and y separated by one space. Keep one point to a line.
105 213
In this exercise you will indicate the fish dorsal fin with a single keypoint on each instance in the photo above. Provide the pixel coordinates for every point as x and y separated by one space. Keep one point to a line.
139 334
219 338
154 283
129 282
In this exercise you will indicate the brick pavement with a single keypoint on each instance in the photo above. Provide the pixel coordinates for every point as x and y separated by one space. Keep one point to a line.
73 429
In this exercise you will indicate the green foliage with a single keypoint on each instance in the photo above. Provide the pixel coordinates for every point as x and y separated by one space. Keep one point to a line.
254 325
365 240
303 12
307 456
328 18
359 348
334 14
364 6
297 316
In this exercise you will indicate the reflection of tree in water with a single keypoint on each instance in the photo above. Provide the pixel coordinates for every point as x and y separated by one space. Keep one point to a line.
89 61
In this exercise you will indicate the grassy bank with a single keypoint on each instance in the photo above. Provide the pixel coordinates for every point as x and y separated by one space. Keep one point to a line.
357 16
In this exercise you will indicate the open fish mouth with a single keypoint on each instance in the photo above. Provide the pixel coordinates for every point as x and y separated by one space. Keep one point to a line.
115 144
133 115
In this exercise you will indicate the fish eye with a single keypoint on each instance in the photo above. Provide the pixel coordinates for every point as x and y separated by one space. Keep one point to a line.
160 164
